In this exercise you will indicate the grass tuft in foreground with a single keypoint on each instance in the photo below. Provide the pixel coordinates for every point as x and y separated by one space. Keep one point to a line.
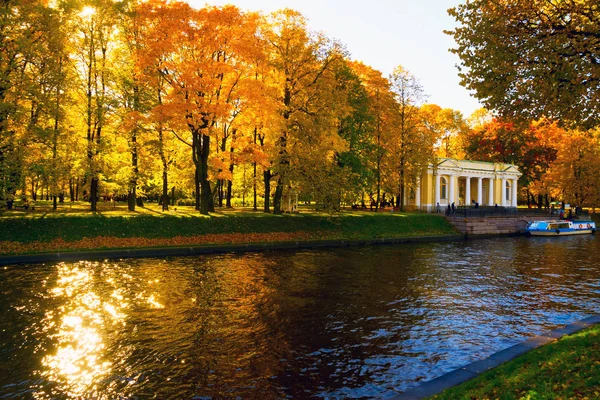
566 369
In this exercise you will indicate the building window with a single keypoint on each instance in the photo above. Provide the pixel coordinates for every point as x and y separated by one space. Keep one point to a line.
444 188
508 190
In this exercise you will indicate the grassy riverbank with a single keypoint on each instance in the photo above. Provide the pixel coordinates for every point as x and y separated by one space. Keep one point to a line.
65 230
566 369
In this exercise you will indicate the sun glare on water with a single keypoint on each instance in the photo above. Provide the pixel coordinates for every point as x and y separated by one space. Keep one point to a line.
78 361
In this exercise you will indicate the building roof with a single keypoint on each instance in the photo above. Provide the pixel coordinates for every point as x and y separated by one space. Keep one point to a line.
476 166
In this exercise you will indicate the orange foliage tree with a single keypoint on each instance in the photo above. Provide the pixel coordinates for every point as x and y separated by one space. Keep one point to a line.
530 146
200 53
574 176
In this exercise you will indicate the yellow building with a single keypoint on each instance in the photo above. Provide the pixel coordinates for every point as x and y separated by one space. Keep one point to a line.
463 182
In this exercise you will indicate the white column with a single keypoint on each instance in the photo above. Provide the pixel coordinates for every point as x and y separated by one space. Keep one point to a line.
451 192
491 198
467 190
418 194
503 192
479 190
514 193
436 190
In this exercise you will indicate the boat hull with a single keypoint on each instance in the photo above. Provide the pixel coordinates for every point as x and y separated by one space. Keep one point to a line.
561 228
561 233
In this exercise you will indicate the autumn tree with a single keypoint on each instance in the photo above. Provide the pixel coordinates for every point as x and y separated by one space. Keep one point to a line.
532 58
247 94
94 49
134 97
446 124
414 145
374 125
20 28
46 82
306 62
530 146
264 116
575 174
199 51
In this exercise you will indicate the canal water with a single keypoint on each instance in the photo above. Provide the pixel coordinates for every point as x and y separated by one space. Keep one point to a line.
337 323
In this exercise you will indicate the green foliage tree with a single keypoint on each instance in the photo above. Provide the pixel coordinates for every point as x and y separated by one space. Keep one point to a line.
532 58
357 129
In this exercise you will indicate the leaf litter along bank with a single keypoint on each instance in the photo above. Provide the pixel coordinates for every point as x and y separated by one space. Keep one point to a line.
20 235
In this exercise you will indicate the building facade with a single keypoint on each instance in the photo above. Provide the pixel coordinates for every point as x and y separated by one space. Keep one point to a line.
465 182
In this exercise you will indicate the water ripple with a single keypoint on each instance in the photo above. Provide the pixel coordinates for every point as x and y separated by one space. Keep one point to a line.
342 323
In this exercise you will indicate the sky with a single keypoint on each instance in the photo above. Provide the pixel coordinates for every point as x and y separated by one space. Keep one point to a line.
384 34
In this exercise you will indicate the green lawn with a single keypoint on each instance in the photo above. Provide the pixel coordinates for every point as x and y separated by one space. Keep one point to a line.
566 369
75 223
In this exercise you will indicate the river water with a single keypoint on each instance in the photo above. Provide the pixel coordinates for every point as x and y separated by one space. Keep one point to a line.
337 323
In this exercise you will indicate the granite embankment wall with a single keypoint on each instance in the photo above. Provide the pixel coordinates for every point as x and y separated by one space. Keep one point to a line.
500 225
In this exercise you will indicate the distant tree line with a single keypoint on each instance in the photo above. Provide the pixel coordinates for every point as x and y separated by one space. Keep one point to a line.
129 99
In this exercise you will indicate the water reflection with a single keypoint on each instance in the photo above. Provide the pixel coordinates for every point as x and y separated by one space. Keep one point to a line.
343 323
79 361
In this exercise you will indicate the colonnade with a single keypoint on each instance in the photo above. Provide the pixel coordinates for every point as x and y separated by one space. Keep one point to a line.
446 190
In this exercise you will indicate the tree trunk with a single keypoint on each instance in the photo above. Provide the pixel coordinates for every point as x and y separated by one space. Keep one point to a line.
267 180
220 187
164 161
55 134
377 200
71 190
197 200
254 207
284 164
206 200
132 200
401 199
231 167
278 196
200 152
197 165
77 190
94 194
131 196
219 190
229 190
402 168
165 191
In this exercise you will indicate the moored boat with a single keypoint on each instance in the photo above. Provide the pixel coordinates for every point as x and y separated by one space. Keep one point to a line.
561 228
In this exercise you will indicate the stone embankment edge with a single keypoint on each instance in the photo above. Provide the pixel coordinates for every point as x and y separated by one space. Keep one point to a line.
212 249
473 370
